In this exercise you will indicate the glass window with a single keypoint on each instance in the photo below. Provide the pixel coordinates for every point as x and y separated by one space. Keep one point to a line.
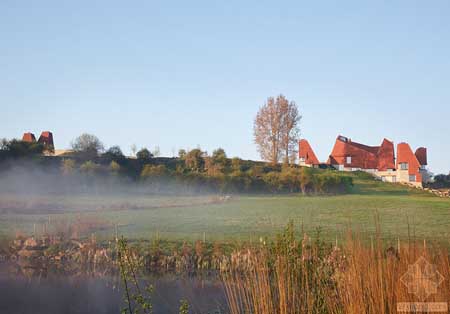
404 166
412 178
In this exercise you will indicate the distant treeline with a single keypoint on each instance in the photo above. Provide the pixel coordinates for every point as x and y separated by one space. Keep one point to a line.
192 171
441 181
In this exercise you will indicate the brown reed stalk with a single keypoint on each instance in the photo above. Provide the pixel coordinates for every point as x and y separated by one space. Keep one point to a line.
355 278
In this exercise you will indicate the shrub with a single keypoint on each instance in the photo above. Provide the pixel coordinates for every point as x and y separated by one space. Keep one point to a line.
114 153
144 155
90 168
153 171
194 160
20 149
273 182
68 166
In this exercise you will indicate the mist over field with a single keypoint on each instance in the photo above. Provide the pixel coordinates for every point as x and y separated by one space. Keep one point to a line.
31 188
25 179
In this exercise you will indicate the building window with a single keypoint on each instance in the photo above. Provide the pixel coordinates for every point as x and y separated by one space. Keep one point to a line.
412 178
343 139
394 179
302 159
349 159
403 166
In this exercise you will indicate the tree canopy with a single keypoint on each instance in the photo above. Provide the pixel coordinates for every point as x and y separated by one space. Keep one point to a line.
114 153
144 155
87 145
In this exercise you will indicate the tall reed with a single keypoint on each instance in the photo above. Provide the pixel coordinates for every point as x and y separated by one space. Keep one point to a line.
305 276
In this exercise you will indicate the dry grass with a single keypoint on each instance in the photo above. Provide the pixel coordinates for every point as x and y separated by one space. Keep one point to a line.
303 277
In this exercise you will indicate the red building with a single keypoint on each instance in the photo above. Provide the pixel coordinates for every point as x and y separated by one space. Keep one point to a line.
348 155
410 166
28 137
306 154
46 139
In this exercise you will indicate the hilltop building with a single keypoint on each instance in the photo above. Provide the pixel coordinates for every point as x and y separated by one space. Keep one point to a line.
380 161
307 157
29 137
45 139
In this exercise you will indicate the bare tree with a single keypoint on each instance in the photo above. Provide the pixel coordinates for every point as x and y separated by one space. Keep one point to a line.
87 145
276 129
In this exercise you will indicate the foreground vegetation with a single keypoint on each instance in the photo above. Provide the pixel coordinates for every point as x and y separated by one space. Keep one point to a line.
307 276
295 272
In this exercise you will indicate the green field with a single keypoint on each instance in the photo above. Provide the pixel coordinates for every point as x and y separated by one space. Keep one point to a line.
241 217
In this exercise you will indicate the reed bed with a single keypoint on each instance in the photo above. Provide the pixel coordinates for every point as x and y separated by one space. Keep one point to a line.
358 276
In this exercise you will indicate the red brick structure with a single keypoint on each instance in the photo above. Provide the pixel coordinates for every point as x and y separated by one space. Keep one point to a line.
408 164
306 154
350 155
421 154
379 160
29 137
386 156
46 139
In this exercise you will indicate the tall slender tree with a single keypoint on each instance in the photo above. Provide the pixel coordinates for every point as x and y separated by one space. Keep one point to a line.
276 129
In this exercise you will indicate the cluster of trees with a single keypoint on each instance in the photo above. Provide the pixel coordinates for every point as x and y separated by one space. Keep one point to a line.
200 172
441 181
14 149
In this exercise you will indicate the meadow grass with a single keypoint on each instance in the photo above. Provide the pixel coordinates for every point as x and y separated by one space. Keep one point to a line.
248 218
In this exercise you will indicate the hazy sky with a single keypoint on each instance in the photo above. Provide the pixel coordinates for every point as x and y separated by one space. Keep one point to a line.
188 73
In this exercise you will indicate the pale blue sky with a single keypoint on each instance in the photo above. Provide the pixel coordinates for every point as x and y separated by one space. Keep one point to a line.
188 73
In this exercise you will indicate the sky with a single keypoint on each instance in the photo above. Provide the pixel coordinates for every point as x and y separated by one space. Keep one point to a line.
183 74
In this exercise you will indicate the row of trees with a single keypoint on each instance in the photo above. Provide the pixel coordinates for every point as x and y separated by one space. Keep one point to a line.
196 171
255 179
158 178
